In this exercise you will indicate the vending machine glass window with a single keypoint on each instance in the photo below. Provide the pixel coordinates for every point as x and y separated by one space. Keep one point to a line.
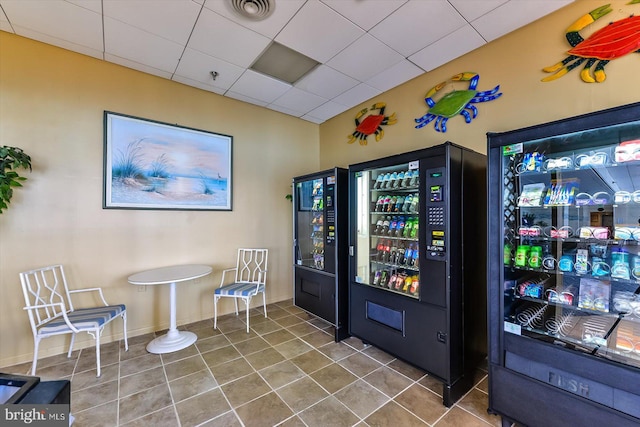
387 228
310 220
564 267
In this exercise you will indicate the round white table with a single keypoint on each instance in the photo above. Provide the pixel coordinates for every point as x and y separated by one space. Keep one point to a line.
174 339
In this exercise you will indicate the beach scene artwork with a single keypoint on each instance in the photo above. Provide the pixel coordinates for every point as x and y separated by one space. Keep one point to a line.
153 165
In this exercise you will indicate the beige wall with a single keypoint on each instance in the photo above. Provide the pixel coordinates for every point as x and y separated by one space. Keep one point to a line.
514 62
51 105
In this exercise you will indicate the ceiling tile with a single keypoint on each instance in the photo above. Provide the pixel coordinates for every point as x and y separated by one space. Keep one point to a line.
422 23
172 20
326 82
361 13
513 15
199 85
356 95
245 98
92 5
131 43
365 58
55 20
400 73
299 100
471 10
281 15
197 66
260 87
219 37
312 119
448 48
137 66
318 32
184 40
327 110
54 41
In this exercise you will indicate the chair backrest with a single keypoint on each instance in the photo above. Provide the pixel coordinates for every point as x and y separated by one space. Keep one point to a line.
43 287
252 266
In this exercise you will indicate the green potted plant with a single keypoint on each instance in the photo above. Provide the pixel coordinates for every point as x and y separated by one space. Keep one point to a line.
11 158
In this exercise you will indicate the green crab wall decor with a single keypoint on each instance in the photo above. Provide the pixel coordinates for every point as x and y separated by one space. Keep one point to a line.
456 102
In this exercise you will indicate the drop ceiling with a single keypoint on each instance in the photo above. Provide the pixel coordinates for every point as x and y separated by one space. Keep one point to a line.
364 47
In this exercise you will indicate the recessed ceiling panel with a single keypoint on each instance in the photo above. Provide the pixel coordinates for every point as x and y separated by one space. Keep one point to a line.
299 100
356 95
400 73
471 10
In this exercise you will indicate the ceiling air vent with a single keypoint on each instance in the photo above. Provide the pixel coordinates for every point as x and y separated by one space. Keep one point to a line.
255 10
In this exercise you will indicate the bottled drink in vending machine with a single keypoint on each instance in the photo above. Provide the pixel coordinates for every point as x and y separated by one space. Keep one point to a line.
414 256
384 278
379 204
407 203
415 178
400 227
414 204
387 250
399 179
415 283
385 205
378 227
407 228
399 204
376 278
394 251
407 178
392 178
408 255
392 203
414 229
400 253
386 223
393 226
378 183
379 249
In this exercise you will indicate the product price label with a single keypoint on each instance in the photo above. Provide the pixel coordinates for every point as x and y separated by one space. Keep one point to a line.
512 328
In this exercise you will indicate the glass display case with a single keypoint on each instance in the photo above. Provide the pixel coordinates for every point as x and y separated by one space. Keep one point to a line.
567 265
416 275
320 246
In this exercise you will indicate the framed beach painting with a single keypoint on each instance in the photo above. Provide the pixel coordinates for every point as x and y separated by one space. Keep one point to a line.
154 165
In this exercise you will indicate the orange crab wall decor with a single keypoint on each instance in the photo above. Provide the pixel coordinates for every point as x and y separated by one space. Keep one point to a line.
617 39
371 124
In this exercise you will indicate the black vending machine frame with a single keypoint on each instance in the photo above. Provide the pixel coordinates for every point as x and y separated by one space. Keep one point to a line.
441 330
324 292
538 382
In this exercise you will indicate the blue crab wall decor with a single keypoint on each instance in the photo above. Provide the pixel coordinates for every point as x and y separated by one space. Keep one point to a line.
457 102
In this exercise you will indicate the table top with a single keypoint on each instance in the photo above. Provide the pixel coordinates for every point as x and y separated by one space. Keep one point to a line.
171 274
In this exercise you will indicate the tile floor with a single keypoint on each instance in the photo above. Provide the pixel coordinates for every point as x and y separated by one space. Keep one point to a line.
287 371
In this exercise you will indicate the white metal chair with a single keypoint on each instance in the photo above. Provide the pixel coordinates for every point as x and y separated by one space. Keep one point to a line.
51 312
249 280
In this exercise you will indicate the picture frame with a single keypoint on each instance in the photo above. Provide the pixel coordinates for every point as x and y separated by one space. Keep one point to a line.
154 165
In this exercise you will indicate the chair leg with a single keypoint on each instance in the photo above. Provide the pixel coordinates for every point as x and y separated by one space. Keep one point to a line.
247 302
264 304
235 300
97 352
36 344
215 312
73 338
124 330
